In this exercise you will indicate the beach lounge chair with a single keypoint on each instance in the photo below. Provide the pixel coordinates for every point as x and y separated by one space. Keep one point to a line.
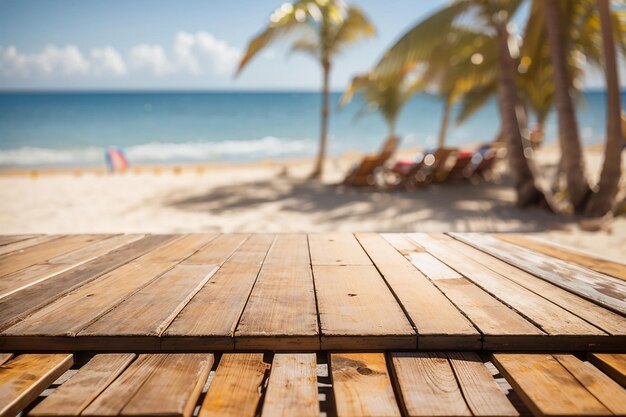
461 169
364 172
485 159
434 168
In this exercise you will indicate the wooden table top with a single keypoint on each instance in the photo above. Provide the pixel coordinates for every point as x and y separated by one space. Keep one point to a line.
306 292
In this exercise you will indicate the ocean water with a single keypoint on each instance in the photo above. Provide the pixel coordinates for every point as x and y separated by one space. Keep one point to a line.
68 129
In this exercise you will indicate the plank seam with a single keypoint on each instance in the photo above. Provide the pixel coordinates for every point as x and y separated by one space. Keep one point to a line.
532 290
482 335
256 277
141 287
496 297
52 299
393 293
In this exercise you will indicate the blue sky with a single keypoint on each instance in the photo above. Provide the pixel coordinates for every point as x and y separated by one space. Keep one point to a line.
183 44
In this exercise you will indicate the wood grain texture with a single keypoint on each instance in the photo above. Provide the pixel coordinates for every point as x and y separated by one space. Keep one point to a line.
292 386
19 305
613 364
19 244
281 311
236 387
428 385
12 262
546 387
23 378
610 322
7 239
600 288
4 357
71 398
552 318
221 301
336 249
35 274
150 310
78 309
175 379
437 320
481 392
362 385
355 306
607 391
605 266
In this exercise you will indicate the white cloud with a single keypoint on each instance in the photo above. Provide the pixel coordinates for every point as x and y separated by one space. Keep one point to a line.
192 53
64 60
107 61
151 58
223 56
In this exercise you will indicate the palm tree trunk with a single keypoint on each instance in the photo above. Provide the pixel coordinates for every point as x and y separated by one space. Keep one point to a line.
444 124
321 156
524 181
602 201
569 139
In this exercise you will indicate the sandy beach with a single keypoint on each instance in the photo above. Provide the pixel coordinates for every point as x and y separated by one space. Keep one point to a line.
276 197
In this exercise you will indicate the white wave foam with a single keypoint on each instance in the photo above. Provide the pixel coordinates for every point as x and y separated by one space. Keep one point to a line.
161 152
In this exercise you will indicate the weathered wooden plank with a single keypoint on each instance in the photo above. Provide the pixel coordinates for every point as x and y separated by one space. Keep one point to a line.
607 391
22 379
177 383
357 310
150 310
289 250
590 261
71 398
438 322
7 239
34 274
600 288
281 313
220 302
362 386
553 319
17 306
292 386
602 318
427 385
219 250
21 244
72 313
501 326
481 392
12 262
175 379
336 249
546 387
236 387
613 364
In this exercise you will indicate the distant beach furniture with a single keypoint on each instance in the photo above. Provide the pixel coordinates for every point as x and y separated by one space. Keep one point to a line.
363 173
116 159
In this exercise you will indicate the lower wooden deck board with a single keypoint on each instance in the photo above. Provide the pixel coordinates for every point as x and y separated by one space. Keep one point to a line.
298 292
339 384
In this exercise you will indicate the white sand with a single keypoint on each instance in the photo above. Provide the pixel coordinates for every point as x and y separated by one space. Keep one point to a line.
258 199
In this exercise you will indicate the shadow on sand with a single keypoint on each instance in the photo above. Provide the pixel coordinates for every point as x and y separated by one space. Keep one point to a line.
446 207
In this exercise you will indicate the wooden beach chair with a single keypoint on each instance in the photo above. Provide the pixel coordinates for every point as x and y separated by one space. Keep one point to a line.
434 168
461 170
363 173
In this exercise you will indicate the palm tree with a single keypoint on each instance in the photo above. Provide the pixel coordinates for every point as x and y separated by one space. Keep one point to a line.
569 138
325 28
386 95
490 18
602 201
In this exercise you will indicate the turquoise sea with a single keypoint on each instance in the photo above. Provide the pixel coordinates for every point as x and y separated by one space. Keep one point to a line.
64 129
